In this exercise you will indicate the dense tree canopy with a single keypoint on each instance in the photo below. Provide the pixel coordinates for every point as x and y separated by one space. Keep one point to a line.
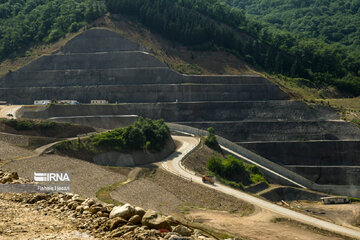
325 60
328 20
209 23
25 22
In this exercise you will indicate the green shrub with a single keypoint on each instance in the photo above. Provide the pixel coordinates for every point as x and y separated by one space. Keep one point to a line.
352 199
20 125
255 178
211 140
234 172
143 134
43 125
215 165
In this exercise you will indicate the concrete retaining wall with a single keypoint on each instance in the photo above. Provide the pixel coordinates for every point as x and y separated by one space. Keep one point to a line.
309 153
336 175
263 163
352 190
124 76
197 111
144 93
89 42
105 121
247 131
94 61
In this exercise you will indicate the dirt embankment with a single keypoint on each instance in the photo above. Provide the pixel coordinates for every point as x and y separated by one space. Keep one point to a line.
168 193
197 161
86 178
43 128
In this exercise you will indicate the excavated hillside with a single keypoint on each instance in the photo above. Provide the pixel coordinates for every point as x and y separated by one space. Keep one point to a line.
246 109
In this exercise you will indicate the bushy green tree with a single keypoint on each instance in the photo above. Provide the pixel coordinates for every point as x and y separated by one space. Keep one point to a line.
211 140
215 165
234 171
144 133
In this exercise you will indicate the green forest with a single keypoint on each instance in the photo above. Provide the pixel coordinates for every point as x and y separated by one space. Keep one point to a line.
207 25
328 20
24 23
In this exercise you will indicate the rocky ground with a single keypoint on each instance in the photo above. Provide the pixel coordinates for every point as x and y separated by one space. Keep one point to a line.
69 216
168 193
86 178
9 151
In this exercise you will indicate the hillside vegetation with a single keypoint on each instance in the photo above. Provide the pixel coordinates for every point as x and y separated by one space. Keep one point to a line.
235 172
42 128
144 134
198 24
329 20
208 24
24 23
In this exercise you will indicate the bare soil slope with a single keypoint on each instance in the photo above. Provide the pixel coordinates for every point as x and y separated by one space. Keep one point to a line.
168 193
86 178
197 161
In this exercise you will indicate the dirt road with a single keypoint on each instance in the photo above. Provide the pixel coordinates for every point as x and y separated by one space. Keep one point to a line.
5 110
173 165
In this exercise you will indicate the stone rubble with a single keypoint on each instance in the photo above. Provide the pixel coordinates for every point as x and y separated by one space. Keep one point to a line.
11 177
104 220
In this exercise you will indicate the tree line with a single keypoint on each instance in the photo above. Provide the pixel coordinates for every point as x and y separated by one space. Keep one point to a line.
199 24
205 24
27 22
329 20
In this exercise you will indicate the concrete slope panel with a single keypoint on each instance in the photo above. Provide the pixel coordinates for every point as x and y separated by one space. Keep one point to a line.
111 60
318 153
198 111
250 131
86 77
100 40
336 175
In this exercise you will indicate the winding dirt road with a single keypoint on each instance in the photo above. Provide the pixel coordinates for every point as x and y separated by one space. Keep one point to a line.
173 164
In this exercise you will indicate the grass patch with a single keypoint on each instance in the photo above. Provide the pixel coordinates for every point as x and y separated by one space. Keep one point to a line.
187 68
353 199
103 193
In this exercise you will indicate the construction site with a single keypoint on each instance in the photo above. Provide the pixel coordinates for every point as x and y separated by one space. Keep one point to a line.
304 150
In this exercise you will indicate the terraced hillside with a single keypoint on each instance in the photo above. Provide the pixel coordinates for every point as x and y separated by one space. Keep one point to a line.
246 109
